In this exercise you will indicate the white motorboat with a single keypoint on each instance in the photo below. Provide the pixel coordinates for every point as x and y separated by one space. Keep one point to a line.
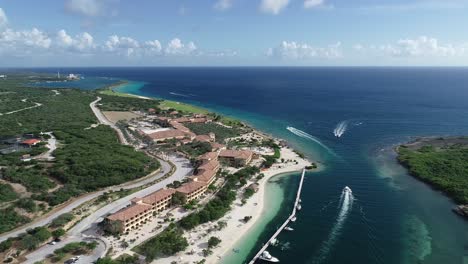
268 257
274 242
289 228
347 189
293 219
299 207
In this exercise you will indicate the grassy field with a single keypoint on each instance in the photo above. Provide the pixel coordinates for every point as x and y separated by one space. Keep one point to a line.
184 107
114 93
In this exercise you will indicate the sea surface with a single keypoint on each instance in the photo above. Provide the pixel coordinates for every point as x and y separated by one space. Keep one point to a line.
349 120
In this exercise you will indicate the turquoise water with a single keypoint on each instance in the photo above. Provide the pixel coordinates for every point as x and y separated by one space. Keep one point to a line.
391 218
278 203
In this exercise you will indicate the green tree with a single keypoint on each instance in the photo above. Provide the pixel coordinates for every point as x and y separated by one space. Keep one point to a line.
213 242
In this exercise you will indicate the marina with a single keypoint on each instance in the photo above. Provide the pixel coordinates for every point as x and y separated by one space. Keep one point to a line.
262 253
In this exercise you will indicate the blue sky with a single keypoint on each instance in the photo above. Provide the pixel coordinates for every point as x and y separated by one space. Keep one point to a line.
233 32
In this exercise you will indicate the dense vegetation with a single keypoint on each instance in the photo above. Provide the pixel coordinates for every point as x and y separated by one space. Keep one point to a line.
168 242
7 193
9 219
87 158
221 132
195 149
75 248
445 169
61 220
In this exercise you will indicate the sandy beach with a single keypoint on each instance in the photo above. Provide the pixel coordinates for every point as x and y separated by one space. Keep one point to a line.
236 228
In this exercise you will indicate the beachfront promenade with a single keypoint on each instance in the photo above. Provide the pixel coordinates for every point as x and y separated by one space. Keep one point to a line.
291 216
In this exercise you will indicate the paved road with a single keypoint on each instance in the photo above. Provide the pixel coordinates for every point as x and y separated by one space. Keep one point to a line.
103 120
87 228
69 207
165 168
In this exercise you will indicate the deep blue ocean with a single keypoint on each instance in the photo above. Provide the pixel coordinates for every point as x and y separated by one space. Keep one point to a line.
392 217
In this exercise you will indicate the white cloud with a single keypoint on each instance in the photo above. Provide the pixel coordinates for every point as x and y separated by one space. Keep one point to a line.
223 4
90 8
295 50
273 6
3 18
152 47
81 43
313 3
422 46
176 47
24 42
122 45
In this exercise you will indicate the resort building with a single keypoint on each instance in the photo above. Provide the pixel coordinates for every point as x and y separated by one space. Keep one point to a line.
206 138
206 176
132 217
179 126
159 200
192 190
236 158
212 165
209 156
170 134
31 142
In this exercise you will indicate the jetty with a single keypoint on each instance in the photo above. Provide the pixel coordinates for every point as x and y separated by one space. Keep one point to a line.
291 216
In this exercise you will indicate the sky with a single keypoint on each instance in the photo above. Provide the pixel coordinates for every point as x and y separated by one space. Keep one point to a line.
64 33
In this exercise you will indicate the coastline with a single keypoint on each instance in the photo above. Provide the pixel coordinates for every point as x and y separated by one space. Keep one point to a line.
236 230
438 145
254 207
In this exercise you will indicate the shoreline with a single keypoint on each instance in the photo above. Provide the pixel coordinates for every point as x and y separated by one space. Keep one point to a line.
254 207
236 229
440 142
261 208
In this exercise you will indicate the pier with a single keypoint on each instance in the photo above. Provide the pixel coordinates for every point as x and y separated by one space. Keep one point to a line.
293 214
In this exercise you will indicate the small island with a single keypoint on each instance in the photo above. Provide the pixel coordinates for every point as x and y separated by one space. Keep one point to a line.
442 162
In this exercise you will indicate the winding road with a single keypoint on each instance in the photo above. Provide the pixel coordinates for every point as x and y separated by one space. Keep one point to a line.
87 228
103 120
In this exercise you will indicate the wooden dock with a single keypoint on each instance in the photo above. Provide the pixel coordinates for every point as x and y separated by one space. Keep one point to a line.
293 214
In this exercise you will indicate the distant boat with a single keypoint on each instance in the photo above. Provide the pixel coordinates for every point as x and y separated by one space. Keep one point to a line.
293 219
347 189
289 228
274 242
299 207
267 257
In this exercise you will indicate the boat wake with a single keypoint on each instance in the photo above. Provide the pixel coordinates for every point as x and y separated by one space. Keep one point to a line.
340 128
305 135
346 205
179 94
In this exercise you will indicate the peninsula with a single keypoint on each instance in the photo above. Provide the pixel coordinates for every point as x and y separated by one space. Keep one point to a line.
148 178
442 163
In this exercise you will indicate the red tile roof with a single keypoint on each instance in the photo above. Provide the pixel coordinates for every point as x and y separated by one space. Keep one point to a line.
237 154
190 187
173 133
129 212
203 138
32 141
205 176
209 165
209 156
157 196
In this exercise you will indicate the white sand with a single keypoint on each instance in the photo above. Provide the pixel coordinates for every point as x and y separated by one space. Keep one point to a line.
236 228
